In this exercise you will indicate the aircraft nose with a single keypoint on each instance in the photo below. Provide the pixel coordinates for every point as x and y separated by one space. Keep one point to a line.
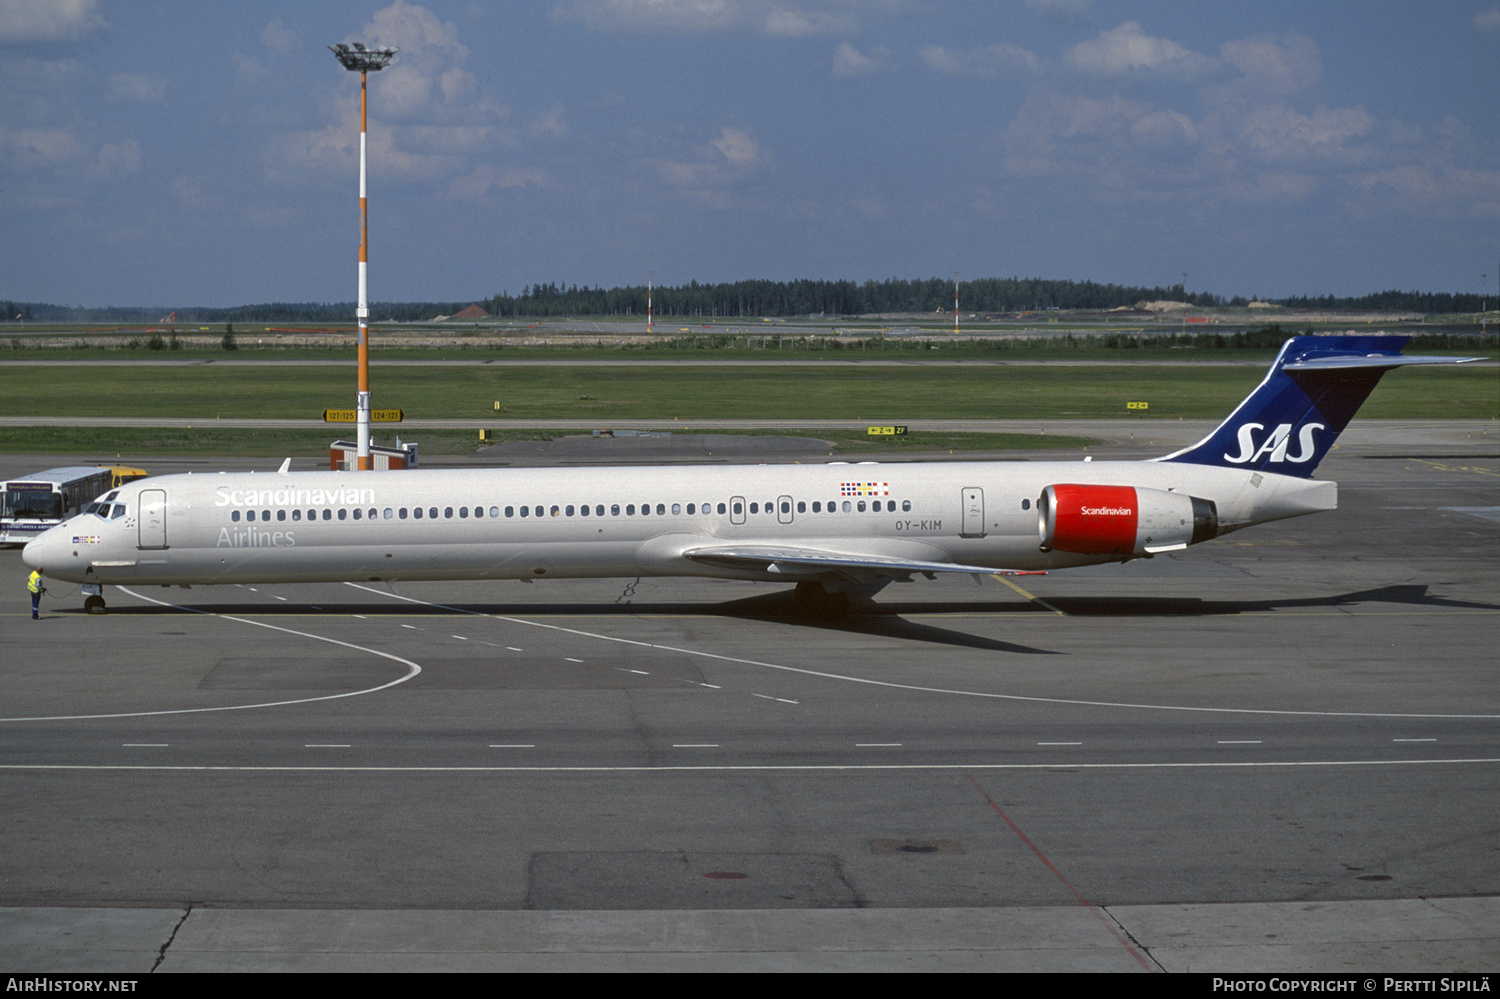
45 551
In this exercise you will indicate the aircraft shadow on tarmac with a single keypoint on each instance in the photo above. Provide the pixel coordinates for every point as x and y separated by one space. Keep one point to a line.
887 619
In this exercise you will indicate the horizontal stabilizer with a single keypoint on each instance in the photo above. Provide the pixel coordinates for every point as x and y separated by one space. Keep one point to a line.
1371 361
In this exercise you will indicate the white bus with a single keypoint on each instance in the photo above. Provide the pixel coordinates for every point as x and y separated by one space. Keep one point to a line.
30 505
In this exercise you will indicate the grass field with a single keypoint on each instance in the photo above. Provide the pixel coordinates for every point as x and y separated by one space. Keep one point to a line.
609 395
107 442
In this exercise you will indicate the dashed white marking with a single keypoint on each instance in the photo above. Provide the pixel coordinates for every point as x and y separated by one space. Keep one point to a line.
622 669
326 745
1414 740
412 627
695 745
275 597
145 745
1059 744
908 686
877 745
1239 742
512 745
571 659
783 700
512 648
459 637
710 686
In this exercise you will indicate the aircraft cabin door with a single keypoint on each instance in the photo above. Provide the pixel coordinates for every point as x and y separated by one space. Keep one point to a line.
784 509
736 509
973 503
151 526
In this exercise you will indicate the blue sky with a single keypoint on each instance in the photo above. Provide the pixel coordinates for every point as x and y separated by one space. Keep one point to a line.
173 153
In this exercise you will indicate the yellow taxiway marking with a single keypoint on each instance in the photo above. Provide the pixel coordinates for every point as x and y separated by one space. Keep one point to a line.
1034 599
1441 466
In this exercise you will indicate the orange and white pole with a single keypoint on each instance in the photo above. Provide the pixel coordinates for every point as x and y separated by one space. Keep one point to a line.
362 406
354 56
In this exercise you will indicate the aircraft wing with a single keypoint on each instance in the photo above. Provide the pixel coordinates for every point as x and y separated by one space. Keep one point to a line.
803 561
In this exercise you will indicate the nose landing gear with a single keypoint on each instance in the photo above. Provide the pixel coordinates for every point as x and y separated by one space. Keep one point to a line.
93 599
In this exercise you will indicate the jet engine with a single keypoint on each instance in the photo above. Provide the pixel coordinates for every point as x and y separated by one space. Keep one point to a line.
1122 520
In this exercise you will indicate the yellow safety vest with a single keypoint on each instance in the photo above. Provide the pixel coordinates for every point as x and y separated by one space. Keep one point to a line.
34 584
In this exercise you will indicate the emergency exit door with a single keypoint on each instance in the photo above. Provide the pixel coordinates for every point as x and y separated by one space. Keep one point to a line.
973 504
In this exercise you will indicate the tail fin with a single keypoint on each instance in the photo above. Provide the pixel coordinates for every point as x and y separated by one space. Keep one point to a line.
1293 417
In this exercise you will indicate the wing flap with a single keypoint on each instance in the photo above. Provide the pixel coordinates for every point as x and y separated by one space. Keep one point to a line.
781 558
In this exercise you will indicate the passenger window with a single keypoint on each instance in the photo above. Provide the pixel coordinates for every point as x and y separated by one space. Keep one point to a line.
344 514
494 511
690 509
417 513
525 511
510 511
906 506
401 513
448 512
234 515
861 506
736 508
661 509
801 507
357 512
555 510
538 511
568 511
755 508
584 510
786 506
676 509
599 510
817 506
296 514
432 512
614 509
846 506
463 513
389 513
479 511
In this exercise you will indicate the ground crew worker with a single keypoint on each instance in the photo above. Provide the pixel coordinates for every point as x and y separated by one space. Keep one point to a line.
36 589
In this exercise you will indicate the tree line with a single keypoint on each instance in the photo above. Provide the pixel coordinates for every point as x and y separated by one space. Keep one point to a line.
755 298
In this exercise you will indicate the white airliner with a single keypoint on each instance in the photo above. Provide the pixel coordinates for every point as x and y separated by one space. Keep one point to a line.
835 529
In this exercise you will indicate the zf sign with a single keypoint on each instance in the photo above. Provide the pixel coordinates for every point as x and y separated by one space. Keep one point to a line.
885 431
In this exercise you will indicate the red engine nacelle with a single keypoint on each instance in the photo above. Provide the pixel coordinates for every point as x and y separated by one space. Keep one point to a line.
1121 520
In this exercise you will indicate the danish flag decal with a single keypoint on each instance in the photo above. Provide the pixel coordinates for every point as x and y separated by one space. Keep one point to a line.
1292 418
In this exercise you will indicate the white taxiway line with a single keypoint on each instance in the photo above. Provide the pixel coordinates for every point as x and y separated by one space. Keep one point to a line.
412 670
726 767
927 690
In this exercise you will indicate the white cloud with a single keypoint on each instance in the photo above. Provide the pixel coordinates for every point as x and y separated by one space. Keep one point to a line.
1128 49
1279 64
38 147
1285 134
140 88
986 61
1488 20
280 39
48 20
849 62
774 18
737 146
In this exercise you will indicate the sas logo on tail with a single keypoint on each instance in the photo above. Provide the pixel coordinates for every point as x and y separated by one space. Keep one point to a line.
1275 444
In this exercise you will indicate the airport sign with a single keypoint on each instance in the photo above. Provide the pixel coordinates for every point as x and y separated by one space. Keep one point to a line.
351 416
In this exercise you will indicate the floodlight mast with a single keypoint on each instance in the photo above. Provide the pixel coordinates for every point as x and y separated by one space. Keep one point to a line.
355 57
